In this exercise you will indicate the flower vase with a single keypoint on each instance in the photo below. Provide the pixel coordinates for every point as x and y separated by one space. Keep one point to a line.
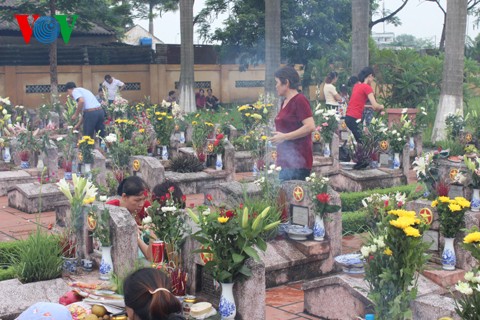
70 265
396 160
448 256
24 164
326 150
318 229
227 308
6 155
475 203
164 153
411 144
159 151
87 167
219 162
182 137
106 265
255 168
67 175
40 164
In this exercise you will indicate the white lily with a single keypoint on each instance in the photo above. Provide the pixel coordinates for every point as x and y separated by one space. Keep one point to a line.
65 188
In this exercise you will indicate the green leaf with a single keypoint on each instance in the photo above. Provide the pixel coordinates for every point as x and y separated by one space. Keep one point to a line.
237 257
252 253
245 271
261 244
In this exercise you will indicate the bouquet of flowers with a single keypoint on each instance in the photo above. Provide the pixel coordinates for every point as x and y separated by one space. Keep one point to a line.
467 306
5 116
328 122
395 255
166 219
217 147
377 205
228 238
125 128
163 123
119 107
451 213
102 225
319 193
86 149
256 113
269 183
474 168
426 169
201 130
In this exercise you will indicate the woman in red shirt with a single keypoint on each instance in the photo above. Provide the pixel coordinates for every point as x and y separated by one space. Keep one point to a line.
133 193
360 94
294 124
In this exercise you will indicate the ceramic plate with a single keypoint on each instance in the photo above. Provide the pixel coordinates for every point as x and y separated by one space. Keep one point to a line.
300 230
350 260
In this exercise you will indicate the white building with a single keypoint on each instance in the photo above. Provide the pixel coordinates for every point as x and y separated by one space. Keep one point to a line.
383 39
137 35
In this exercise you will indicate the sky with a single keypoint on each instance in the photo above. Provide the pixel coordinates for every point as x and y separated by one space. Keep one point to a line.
420 18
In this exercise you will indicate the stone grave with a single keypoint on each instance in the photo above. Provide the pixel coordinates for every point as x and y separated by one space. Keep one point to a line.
327 165
9 179
360 180
150 169
99 163
232 192
34 197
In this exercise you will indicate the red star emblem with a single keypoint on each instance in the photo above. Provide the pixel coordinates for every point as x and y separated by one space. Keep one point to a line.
298 193
427 215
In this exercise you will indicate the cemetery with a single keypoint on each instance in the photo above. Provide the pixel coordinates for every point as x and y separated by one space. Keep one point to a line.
266 204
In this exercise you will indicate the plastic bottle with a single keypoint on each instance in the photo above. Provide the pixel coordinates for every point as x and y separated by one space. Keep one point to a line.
370 316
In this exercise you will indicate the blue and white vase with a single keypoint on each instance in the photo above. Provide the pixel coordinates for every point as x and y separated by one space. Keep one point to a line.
475 203
227 307
411 144
326 150
255 168
70 265
396 160
448 256
106 265
7 157
318 229
164 153
219 162
67 175
182 137
24 164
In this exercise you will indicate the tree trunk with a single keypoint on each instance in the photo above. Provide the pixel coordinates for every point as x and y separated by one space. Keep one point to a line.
187 80
451 96
150 17
272 45
53 60
360 33
441 46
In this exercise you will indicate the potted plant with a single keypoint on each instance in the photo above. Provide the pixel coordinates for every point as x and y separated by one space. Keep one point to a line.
68 245
218 148
227 239
451 213
318 187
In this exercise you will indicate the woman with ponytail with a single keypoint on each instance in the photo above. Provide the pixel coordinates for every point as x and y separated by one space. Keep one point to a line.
332 98
147 296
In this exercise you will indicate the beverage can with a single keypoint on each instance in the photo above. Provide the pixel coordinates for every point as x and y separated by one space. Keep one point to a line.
158 248
188 301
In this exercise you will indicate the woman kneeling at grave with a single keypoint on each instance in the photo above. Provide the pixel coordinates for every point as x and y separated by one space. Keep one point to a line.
133 197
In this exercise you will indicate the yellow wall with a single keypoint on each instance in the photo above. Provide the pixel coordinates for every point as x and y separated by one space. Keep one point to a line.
155 81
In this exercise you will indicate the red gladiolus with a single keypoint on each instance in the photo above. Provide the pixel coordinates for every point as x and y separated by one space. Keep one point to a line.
171 189
162 198
323 197
400 204
184 198
216 143
209 197
229 214
167 195
241 206
220 136
386 203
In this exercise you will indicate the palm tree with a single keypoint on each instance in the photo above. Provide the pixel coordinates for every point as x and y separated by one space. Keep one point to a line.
272 43
360 34
187 80
451 95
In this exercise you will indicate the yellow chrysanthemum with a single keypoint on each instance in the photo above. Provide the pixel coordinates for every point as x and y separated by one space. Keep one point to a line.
157 113
194 122
464 203
256 116
244 107
247 114
209 124
264 137
160 119
402 213
434 203
388 251
444 199
412 232
472 237
169 117
88 200
222 219
91 142
163 114
403 222
141 130
454 207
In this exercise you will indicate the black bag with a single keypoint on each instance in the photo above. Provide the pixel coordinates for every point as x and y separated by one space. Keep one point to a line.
343 154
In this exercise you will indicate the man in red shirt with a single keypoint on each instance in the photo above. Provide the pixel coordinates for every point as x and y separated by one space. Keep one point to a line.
360 94
294 124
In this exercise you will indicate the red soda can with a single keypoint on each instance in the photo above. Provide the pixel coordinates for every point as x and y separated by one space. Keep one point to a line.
158 247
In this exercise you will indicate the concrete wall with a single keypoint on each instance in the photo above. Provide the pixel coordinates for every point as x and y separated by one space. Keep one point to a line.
155 80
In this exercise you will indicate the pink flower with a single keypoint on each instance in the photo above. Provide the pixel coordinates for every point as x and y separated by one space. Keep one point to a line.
325 124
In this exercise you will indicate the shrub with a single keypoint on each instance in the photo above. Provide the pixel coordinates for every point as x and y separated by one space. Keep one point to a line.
39 258
352 201
354 222
8 252
186 163
7 273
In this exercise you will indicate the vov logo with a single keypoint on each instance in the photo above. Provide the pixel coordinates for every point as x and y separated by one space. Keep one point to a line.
45 29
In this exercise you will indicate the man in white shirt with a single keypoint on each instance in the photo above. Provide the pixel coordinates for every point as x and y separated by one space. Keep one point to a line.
113 86
93 114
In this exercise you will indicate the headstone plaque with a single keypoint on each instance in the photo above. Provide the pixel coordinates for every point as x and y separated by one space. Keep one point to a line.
384 159
299 215
455 191
431 236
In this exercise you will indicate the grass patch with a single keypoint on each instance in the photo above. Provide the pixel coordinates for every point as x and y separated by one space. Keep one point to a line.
352 201
9 251
354 222
7 273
